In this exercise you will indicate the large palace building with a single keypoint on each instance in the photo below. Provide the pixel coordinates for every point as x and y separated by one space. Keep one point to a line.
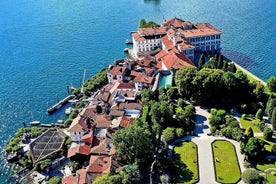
188 38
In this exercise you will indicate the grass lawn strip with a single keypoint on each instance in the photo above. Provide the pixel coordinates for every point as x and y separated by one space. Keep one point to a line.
247 122
227 168
187 151
271 175
268 144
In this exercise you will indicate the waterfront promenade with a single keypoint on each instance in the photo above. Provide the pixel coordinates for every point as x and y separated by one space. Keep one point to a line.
249 73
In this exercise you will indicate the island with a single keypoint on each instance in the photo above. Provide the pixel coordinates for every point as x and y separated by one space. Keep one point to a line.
169 113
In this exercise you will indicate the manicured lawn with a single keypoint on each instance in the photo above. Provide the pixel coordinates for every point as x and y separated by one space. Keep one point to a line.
227 168
268 144
270 176
247 122
186 164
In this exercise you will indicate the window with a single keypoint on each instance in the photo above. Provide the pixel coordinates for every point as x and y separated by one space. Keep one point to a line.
217 36
213 37
208 38
202 38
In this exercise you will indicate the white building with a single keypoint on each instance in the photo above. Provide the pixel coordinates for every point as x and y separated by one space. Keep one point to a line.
187 37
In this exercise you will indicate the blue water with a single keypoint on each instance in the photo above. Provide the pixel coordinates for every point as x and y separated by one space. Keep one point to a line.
46 45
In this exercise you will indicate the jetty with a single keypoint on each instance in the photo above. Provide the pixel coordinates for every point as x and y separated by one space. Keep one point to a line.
60 104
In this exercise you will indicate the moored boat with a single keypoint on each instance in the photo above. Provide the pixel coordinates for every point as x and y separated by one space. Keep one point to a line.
34 123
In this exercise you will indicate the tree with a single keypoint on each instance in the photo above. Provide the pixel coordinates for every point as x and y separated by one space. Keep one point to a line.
134 143
168 135
225 66
259 114
273 149
201 61
268 133
161 113
179 132
108 179
148 95
249 132
254 148
251 176
220 62
273 118
258 90
271 103
54 180
271 84
130 174
145 24
232 68
183 80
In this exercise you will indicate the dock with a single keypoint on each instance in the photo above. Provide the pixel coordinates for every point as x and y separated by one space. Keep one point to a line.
60 104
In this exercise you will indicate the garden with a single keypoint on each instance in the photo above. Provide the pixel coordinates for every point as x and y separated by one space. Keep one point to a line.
186 163
225 160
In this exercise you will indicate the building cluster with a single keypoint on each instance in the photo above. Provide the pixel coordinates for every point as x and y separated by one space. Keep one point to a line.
117 104
182 36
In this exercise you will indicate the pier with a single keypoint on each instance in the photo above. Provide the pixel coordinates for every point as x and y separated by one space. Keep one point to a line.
60 104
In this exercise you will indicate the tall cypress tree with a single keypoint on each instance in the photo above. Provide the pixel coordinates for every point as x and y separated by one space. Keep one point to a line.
220 62
273 118
201 61
225 66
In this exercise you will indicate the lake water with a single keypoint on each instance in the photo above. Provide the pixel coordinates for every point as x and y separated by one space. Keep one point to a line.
46 45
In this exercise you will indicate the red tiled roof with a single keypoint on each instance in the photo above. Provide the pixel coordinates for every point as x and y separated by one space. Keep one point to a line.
126 121
138 37
176 22
185 45
87 136
143 62
117 70
152 31
176 61
115 112
126 86
82 176
99 164
202 29
136 106
167 42
82 149
161 54
102 120
103 96
143 79
101 147
70 180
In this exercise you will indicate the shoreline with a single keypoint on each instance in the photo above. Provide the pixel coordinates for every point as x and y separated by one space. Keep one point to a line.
249 73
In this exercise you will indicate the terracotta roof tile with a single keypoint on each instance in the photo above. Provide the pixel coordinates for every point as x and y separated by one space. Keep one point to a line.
117 70
82 176
82 149
136 106
99 164
102 120
167 42
126 86
143 62
70 180
143 79
176 22
126 121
